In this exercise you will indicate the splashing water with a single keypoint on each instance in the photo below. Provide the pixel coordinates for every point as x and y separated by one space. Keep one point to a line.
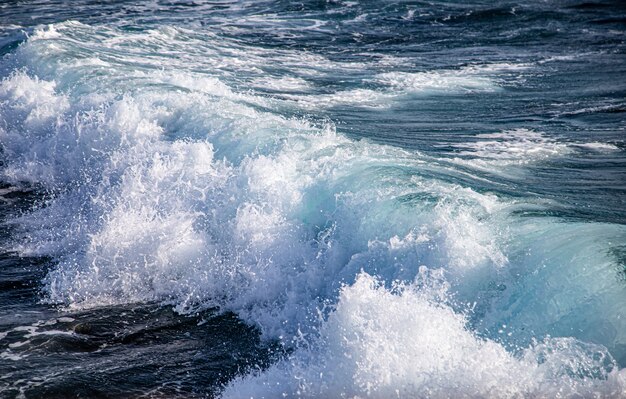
203 168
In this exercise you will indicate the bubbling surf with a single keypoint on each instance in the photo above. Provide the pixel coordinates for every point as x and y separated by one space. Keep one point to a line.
381 271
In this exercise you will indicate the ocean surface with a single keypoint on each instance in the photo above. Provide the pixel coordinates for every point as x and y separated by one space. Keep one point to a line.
312 199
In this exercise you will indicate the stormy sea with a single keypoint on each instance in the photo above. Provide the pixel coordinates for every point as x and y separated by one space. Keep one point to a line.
312 199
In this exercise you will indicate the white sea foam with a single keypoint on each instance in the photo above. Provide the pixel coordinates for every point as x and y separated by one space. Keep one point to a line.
9 355
392 86
282 84
170 185
379 343
499 152
473 78
495 151
357 97
444 81
597 146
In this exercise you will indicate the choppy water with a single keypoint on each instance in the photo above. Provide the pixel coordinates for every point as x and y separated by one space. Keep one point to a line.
312 199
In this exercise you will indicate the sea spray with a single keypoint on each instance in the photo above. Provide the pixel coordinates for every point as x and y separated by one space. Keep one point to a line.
180 167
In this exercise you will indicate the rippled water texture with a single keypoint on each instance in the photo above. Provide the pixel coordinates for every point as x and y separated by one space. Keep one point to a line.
312 200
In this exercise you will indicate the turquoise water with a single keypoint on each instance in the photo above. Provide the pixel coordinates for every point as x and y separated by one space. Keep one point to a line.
318 199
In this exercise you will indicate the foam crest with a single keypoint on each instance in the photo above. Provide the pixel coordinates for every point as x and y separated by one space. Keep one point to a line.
147 246
154 213
34 100
403 342
32 110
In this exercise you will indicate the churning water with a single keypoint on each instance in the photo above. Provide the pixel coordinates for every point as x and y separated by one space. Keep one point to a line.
315 199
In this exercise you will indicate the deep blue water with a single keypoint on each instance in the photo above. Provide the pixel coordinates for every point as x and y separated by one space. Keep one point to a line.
312 199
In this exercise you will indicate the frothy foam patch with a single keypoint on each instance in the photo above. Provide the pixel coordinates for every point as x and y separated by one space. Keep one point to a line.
518 146
473 78
596 146
286 83
357 97
393 85
446 81
494 152
404 342
32 101
242 64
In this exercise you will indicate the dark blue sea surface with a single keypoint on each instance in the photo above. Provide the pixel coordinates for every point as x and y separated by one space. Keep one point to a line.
313 199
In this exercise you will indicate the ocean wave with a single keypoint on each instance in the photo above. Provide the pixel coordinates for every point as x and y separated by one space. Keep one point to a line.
168 184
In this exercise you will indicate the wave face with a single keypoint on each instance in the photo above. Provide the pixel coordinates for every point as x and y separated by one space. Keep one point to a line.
404 211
